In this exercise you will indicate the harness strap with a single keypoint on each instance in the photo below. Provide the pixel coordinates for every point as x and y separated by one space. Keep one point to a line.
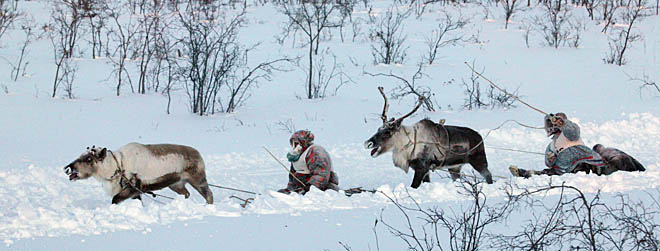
120 172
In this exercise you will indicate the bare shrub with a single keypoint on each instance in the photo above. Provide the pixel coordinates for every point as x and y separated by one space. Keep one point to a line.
150 26
477 98
553 23
245 78
386 35
346 8
410 87
19 67
590 6
527 30
212 52
510 8
95 15
445 34
311 18
286 125
68 77
459 228
645 82
125 29
580 221
216 71
608 9
8 14
164 71
63 31
562 217
328 77
625 36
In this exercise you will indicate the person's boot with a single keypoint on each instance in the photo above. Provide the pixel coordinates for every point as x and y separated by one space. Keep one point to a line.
515 171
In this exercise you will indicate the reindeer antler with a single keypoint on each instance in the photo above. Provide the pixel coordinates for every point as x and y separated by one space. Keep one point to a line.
387 105
421 101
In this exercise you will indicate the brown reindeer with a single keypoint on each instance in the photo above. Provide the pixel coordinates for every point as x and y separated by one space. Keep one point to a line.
136 168
426 146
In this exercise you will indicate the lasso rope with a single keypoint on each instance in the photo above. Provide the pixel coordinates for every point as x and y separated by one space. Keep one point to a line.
507 93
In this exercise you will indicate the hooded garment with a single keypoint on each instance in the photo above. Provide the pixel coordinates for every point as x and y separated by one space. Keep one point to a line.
569 149
318 164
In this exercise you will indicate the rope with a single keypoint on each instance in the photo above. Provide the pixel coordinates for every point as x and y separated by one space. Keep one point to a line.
234 189
445 169
514 150
507 93
285 168
447 148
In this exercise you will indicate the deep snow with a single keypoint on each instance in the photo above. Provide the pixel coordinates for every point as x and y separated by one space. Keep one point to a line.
41 209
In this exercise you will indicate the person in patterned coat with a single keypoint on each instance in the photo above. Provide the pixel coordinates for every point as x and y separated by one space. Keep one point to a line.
566 153
310 164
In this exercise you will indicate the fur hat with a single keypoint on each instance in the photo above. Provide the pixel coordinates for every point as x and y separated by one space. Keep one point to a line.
550 128
303 137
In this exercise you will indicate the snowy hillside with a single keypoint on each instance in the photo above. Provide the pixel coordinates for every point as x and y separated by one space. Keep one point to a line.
40 209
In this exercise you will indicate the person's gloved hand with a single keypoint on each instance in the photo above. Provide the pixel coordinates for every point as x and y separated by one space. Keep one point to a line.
551 157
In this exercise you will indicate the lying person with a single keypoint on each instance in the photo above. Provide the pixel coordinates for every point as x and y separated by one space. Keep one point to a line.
568 154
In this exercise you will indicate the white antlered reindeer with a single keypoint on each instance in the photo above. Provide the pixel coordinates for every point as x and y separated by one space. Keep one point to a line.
136 168
427 145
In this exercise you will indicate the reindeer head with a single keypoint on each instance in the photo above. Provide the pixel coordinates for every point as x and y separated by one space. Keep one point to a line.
85 165
382 142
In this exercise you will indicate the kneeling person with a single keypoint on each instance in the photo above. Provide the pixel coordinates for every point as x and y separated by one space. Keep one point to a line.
310 164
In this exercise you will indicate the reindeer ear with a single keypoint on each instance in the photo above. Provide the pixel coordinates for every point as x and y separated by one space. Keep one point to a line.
102 153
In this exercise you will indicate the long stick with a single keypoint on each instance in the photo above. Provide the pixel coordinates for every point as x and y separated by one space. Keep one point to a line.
507 93
285 168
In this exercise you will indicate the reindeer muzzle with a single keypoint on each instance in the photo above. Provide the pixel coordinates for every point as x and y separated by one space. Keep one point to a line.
72 172
375 150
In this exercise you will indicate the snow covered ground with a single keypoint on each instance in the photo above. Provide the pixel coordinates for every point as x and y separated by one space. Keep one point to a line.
41 209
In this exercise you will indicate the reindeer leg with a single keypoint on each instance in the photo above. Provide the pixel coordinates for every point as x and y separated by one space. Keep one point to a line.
427 177
421 171
478 162
128 193
180 188
455 171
